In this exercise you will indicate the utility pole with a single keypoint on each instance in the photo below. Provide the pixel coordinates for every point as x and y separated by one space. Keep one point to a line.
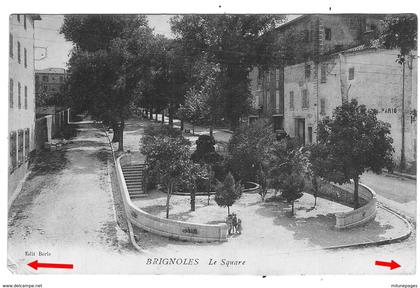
402 164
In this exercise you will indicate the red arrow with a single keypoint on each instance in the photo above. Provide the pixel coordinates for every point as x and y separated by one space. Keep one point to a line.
35 265
392 265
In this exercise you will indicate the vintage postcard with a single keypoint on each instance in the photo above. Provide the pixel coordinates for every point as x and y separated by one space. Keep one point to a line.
262 144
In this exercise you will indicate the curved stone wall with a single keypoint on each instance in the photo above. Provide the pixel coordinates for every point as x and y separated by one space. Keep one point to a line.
359 216
167 227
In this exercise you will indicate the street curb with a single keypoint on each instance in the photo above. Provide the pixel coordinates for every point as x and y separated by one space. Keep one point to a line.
403 175
381 242
130 227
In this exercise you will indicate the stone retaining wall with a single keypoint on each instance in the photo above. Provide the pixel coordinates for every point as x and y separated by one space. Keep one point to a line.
363 214
167 227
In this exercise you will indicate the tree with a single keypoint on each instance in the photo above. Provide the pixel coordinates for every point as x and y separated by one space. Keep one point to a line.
355 141
194 172
205 152
262 177
250 149
234 43
401 32
169 158
317 155
228 192
292 186
206 155
193 107
109 58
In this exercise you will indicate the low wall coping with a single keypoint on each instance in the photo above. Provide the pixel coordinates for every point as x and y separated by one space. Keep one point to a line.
159 229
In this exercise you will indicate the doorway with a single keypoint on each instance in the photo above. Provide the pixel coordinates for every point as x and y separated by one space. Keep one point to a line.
300 130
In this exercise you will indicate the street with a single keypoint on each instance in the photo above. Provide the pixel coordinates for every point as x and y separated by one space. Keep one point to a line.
66 204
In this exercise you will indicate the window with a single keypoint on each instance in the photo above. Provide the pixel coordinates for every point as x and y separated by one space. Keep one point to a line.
10 45
306 36
310 135
19 98
18 17
18 47
307 71
351 73
26 97
20 147
327 32
11 93
24 21
61 79
323 73
45 78
305 99
12 151
25 57
322 106
277 79
292 100
26 144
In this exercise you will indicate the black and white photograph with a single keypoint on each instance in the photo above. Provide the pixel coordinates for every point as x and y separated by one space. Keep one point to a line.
215 144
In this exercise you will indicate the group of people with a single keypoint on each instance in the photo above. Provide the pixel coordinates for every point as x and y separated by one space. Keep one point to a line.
234 224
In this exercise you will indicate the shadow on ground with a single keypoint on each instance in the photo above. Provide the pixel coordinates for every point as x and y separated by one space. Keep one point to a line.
320 230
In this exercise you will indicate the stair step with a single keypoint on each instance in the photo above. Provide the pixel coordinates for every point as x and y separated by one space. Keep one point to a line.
135 186
138 196
133 176
136 193
133 181
134 166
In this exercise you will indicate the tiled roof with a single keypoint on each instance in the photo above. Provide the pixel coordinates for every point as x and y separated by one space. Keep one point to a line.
374 44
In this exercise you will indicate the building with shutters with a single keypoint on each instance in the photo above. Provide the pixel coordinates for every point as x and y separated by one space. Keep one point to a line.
21 98
330 59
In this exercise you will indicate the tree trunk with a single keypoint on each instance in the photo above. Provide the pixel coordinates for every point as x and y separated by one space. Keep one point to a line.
193 200
193 130
208 192
228 210
293 208
182 125
151 114
163 117
115 137
315 187
211 127
356 193
121 136
171 116
168 197
156 116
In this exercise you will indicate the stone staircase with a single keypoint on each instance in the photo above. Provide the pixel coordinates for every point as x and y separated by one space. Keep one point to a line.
134 179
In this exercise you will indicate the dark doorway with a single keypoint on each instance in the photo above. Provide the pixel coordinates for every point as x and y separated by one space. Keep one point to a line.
300 130
278 123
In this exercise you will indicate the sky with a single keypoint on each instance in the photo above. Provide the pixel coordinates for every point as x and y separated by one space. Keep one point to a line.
52 51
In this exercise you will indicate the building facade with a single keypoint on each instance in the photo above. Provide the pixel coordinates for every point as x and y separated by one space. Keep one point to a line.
49 84
334 59
21 97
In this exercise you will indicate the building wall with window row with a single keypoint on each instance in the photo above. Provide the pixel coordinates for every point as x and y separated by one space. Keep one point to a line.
21 96
371 76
